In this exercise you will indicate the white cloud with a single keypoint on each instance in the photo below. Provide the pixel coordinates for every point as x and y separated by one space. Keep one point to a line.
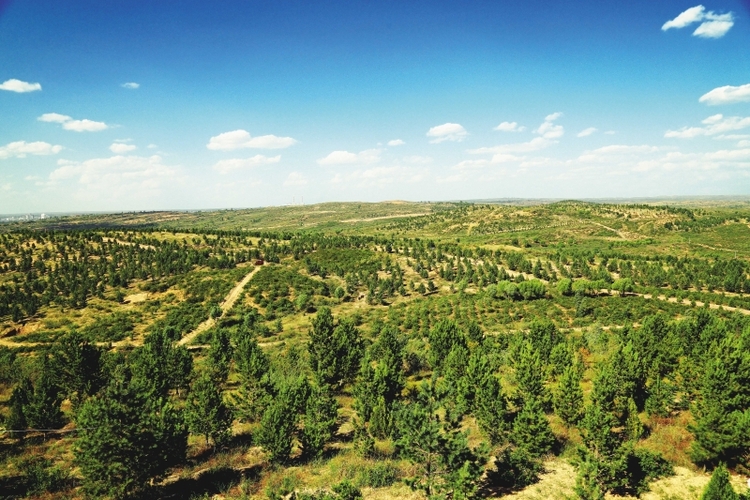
535 144
117 177
130 85
152 146
295 179
716 124
365 157
587 132
239 139
686 18
226 166
396 142
54 118
20 149
548 129
509 127
727 95
19 86
379 177
417 160
85 126
447 132
713 29
69 123
120 148
616 153
712 25
744 144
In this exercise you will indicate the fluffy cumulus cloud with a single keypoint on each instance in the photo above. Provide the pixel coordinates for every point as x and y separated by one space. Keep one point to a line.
365 157
379 177
548 132
587 132
534 144
447 132
549 129
396 142
131 85
727 95
120 148
69 123
241 139
713 126
509 127
20 149
295 179
125 178
712 25
226 166
19 86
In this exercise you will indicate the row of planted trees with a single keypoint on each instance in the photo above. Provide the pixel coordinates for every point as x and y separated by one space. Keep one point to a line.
133 411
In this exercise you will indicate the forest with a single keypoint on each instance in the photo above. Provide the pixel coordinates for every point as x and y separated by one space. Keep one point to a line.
341 351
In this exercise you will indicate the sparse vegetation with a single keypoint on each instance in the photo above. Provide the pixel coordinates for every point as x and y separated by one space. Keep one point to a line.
566 350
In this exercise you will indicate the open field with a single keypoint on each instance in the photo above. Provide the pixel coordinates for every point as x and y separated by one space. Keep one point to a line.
637 306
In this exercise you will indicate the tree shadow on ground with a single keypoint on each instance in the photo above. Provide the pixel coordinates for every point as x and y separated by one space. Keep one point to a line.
13 487
210 482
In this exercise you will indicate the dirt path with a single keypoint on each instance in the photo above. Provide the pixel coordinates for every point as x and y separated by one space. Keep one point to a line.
621 234
128 243
229 301
387 217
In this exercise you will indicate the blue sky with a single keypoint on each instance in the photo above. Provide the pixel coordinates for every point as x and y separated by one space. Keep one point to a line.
154 105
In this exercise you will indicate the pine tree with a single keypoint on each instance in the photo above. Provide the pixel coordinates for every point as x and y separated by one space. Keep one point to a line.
568 400
490 409
253 368
220 355
529 375
719 487
276 431
447 467
78 367
633 424
207 414
722 411
125 438
587 481
335 351
319 422
43 408
19 400
531 430
443 337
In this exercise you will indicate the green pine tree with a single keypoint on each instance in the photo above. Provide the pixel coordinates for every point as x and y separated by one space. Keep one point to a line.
568 399
276 432
719 487
587 481
319 422
43 408
126 439
531 429
19 400
722 411
490 409
207 414
633 424
446 466
530 375
220 355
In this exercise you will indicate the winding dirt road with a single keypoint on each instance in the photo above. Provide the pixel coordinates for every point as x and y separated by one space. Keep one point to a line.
228 303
